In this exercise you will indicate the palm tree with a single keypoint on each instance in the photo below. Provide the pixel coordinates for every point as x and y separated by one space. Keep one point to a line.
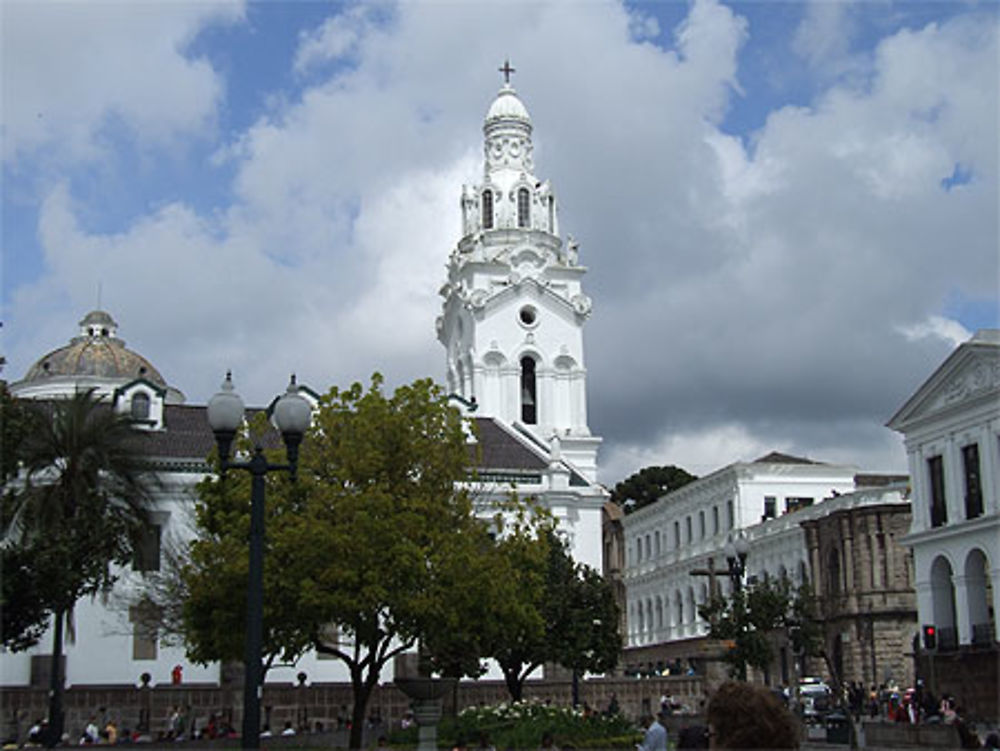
84 499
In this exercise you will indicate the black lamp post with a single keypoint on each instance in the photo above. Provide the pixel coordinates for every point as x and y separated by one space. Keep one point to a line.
736 557
292 415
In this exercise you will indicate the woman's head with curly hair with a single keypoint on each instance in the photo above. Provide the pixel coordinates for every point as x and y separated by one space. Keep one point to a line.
743 715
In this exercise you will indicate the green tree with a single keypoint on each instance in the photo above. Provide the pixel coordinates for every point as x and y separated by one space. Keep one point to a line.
561 611
516 626
24 599
749 617
649 485
363 555
209 579
80 506
15 425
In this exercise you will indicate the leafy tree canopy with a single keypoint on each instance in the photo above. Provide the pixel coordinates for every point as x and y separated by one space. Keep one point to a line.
560 611
374 548
649 485
749 616
76 507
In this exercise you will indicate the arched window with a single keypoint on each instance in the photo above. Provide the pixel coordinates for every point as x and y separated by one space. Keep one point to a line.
487 209
140 406
523 208
833 571
529 406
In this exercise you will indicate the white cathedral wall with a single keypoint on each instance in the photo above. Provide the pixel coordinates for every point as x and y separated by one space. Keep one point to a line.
559 398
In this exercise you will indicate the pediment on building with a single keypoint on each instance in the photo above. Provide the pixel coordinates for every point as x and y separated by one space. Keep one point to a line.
970 373
541 291
139 384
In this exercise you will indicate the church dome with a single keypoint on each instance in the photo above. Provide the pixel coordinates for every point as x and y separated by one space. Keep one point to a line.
96 357
507 106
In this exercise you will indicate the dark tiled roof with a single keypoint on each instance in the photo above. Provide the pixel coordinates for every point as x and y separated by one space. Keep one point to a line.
186 436
776 457
498 449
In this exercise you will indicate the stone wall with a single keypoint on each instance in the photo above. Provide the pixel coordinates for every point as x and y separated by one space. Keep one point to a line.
863 577
133 707
972 676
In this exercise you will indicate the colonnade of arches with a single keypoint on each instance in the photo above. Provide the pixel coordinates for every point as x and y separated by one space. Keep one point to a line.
962 601
673 614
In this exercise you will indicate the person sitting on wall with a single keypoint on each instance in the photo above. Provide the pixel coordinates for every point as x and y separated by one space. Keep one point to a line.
743 715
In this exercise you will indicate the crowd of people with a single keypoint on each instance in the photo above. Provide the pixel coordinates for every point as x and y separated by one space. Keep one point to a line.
738 715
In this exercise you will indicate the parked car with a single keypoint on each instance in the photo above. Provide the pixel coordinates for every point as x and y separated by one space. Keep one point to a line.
814 700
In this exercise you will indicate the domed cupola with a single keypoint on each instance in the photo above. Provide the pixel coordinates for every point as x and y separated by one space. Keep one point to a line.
95 358
507 132
510 196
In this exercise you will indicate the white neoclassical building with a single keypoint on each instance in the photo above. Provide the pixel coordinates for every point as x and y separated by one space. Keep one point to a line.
669 540
951 426
675 548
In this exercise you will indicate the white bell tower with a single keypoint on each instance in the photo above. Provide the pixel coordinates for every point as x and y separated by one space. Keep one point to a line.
514 307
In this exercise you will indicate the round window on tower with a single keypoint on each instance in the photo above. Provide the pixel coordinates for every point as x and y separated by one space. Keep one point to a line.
528 316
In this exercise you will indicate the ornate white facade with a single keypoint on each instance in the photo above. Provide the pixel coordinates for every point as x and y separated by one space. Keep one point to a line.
951 427
514 307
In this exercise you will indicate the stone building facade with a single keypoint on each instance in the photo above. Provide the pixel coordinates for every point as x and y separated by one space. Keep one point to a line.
613 557
863 578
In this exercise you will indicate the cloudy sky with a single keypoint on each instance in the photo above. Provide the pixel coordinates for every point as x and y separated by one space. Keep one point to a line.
788 210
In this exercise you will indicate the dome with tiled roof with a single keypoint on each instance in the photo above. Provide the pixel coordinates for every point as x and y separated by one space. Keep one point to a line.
95 358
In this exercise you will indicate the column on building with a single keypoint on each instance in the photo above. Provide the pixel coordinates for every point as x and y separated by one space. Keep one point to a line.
963 621
989 448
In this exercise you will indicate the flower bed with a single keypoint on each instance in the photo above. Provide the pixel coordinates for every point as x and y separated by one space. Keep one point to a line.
522 725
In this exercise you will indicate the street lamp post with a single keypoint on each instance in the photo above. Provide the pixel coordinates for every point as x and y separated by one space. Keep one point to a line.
292 415
736 557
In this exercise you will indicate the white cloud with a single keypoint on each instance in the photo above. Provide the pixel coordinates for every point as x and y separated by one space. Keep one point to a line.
700 452
750 292
337 38
71 70
942 328
823 38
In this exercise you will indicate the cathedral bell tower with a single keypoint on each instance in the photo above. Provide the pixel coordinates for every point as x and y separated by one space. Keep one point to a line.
514 307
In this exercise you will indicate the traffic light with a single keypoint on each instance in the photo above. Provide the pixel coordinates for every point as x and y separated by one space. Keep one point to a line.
930 637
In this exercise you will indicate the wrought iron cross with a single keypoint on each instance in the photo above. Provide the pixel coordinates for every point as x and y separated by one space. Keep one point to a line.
506 70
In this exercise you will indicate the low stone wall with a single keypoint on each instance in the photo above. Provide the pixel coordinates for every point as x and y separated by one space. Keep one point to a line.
305 706
901 735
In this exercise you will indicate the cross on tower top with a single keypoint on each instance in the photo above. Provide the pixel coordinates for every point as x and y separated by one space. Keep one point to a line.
506 70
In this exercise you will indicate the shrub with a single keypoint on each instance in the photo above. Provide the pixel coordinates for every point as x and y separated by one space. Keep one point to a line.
521 725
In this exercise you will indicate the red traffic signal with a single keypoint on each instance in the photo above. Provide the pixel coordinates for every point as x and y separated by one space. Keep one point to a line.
930 637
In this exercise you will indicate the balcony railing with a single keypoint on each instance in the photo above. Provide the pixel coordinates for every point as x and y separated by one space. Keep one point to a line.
982 634
947 639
